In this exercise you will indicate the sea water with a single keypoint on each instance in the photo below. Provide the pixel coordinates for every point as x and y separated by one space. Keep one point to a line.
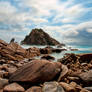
81 50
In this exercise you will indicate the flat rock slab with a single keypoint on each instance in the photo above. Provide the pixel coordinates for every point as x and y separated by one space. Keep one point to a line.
37 71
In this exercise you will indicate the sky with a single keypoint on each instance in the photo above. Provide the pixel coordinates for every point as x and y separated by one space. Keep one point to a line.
68 21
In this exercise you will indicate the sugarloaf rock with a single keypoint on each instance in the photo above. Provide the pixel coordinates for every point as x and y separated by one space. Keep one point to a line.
39 37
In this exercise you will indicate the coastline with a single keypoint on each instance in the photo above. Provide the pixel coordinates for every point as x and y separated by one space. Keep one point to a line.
19 69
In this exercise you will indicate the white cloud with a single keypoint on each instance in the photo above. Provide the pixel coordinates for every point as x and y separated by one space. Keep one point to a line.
38 14
89 30
71 33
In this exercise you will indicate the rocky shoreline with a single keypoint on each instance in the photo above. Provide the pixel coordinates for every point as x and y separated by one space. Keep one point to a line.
21 72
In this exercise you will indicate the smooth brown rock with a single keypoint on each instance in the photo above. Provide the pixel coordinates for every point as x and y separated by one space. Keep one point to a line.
37 71
1 90
67 87
34 89
14 87
52 87
73 84
11 70
86 77
3 82
84 90
64 73
3 43
17 48
88 88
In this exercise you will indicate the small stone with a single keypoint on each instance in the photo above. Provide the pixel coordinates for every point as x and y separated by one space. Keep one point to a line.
14 87
3 82
52 87
84 90
34 89
67 87
88 88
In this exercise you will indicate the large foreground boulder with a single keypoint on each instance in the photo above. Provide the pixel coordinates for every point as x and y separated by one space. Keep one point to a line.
39 37
37 71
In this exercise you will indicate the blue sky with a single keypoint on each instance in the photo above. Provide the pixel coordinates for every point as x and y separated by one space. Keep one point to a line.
68 21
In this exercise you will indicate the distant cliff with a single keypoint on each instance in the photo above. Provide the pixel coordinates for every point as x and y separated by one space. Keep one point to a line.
39 37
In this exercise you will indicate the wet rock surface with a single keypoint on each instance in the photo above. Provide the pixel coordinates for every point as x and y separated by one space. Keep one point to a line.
48 57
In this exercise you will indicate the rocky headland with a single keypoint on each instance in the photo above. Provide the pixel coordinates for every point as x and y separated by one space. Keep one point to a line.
21 72
39 37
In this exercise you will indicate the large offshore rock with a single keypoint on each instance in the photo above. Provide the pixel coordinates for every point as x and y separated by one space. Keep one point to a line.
39 37
37 71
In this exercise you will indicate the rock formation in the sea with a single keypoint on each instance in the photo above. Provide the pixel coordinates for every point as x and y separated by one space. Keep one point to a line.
39 37
12 40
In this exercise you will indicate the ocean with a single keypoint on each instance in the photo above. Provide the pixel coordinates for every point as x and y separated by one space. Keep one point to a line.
81 50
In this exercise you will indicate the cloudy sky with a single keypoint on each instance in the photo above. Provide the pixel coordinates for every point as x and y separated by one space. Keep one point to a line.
68 21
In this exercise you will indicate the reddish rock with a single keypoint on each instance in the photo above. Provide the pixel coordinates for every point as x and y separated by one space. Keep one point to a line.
64 73
17 49
86 77
3 43
37 71
15 52
45 50
31 52
14 87
1 90
3 82
34 89
67 87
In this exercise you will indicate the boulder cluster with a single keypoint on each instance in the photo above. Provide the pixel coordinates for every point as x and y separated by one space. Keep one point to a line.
21 72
